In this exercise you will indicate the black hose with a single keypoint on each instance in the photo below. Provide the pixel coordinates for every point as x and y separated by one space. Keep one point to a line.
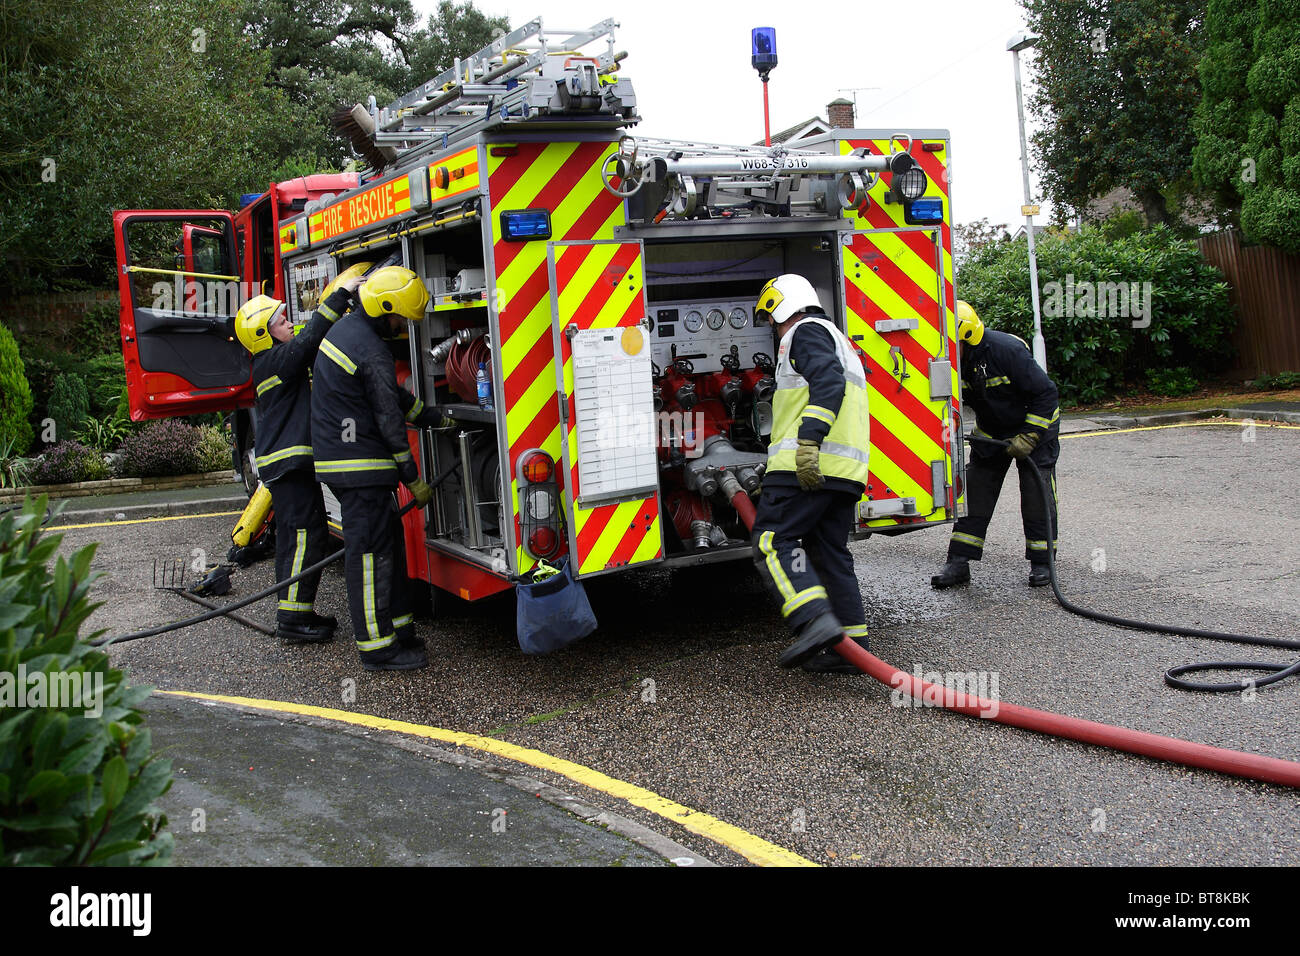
260 595
1173 676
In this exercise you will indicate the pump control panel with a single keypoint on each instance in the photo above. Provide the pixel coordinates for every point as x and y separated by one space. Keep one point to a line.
709 335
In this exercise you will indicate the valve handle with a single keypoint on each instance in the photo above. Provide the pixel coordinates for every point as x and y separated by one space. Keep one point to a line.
762 360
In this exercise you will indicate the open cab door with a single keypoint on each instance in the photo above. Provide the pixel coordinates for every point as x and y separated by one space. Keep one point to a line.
179 286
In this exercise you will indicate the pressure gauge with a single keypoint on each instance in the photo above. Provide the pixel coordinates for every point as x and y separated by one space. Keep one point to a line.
739 318
716 319
693 321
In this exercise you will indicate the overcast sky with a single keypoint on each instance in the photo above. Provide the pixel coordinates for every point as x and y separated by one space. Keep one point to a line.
941 64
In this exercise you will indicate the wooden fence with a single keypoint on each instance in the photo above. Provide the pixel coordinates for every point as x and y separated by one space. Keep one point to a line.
1266 289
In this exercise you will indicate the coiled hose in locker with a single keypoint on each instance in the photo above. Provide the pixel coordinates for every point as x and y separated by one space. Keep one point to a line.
462 366
1173 676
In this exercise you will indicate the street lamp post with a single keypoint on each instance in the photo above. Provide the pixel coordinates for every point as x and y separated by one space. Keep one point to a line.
1022 41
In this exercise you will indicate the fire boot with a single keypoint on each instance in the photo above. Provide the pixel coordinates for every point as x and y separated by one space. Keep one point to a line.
822 631
1039 575
400 659
956 571
322 620
827 661
407 639
303 632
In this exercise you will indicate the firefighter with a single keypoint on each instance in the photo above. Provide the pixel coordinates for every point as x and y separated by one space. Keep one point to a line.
280 363
816 473
358 425
1014 401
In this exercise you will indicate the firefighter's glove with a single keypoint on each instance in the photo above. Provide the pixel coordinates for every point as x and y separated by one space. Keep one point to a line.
1022 446
420 491
806 464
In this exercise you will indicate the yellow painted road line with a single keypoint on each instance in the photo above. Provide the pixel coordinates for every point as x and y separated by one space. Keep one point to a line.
113 524
1151 428
753 848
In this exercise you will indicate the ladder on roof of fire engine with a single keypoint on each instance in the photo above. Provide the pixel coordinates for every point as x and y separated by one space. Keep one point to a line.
514 78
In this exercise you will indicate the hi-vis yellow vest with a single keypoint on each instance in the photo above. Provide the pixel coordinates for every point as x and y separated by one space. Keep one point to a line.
844 450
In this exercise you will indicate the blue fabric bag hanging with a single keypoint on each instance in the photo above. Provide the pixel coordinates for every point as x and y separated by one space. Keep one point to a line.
553 611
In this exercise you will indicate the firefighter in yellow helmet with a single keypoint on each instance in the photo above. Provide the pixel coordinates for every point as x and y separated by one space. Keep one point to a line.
816 473
359 417
283 445
1014 401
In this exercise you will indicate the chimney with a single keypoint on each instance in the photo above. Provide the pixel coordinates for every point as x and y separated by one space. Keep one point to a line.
840 113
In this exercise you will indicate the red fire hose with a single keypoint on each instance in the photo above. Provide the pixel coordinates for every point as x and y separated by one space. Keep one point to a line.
1171 749
1235 762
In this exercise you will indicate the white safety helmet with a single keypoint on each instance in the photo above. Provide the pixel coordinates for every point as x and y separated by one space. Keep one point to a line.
785 295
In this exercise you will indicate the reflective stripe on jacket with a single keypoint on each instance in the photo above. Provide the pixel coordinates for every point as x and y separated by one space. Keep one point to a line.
358 411
844 450
283 439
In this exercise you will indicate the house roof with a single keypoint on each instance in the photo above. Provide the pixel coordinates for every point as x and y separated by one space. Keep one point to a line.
809 127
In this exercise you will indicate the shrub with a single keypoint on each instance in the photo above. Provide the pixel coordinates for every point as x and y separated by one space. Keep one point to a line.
104 434
70 461
1090 356
105 378
1173 381
69 405
214 449
15 395
1276 382
15 471
99 332
166 447
78 780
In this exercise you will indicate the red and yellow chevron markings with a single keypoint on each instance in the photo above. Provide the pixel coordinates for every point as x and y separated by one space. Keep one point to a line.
563 178
895 275
600 287
454 175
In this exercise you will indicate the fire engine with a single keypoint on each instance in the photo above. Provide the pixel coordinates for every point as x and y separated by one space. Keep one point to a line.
605 285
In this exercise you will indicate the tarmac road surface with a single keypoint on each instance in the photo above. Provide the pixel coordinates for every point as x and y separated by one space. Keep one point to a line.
678 691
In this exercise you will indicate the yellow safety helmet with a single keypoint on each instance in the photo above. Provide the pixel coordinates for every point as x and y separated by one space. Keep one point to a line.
394 290
785 295
969 327
252 322
356 269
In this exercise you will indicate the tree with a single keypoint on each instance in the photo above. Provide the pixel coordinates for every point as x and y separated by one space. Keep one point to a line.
970 237
1248 123
15 399
330 54
1116 90
109 104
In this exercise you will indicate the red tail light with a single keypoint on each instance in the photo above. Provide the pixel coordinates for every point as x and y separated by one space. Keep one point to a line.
543 542
538 467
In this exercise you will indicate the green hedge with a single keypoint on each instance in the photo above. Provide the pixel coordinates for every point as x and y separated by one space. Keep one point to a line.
1178 320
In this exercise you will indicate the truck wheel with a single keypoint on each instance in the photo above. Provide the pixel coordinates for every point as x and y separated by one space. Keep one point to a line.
248 458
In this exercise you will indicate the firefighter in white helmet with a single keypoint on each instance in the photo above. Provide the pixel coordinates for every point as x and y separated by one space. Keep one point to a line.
359 416
1014 401
284 455
816 473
